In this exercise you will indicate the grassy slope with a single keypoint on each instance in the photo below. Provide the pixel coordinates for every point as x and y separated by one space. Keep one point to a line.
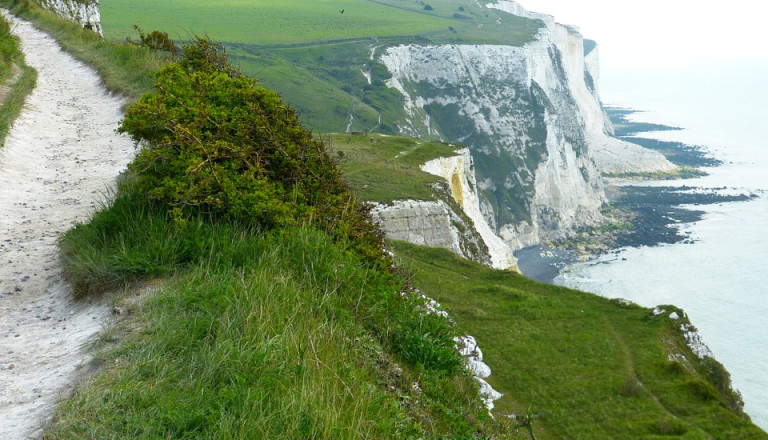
294 45
16 77
253 335
591 368
283 22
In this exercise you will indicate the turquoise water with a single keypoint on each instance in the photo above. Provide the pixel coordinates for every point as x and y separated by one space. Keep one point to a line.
721 280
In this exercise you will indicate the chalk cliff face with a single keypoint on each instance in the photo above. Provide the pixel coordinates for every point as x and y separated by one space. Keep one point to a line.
459 172
532 119
452 220
85 12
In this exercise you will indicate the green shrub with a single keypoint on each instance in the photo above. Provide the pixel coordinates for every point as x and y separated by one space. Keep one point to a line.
701 389
156 41
720 379
217 143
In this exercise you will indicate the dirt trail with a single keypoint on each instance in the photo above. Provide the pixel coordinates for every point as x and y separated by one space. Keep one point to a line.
59 159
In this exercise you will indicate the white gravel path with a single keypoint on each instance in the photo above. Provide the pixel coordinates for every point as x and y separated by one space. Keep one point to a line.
59 159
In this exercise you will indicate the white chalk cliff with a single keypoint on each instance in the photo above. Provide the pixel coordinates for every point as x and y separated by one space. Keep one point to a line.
452 220
85 12
533 120
459 172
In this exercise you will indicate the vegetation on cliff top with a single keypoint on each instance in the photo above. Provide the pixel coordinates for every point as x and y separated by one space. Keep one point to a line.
283 316
264 329
292 46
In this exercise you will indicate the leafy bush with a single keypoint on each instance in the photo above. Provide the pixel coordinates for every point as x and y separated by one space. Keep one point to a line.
217 143
156 40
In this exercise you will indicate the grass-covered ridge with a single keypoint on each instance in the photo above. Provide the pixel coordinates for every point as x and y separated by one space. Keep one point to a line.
283 316
370 162
281 334
587 367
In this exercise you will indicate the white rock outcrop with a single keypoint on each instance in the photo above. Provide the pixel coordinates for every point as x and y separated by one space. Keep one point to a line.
85 12
424 222
473 356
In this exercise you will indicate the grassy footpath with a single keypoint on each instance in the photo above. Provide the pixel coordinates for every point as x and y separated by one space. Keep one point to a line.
589 367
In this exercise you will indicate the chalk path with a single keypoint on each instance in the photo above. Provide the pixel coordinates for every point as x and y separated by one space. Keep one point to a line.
60 157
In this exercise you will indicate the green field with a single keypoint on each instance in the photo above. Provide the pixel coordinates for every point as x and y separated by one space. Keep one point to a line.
312 54
281 22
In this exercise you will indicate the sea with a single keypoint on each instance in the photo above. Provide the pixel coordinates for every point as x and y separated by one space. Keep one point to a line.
720 277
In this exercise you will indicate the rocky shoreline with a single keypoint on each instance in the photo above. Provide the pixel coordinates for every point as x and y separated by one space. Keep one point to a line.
643 214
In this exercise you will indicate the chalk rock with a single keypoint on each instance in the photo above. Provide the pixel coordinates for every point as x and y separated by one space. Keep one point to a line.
84 12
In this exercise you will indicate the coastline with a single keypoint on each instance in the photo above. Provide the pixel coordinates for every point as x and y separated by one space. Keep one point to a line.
655 209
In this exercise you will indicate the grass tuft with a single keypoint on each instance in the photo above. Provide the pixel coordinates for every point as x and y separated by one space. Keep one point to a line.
279 334
18 78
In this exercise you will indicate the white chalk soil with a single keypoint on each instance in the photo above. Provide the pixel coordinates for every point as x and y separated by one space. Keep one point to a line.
60 158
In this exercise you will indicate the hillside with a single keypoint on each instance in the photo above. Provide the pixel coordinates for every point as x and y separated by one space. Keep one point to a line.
291 46
280 316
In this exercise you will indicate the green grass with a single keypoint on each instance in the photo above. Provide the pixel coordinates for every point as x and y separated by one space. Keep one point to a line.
589 367
13 102
387 169
281 22
281 334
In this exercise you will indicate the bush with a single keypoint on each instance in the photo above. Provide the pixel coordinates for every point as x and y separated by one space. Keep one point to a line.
217 143
156 41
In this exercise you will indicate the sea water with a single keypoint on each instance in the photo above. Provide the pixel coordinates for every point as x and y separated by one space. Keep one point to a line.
721 279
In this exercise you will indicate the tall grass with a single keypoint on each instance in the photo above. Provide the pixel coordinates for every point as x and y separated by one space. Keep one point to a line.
281 334
125 68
